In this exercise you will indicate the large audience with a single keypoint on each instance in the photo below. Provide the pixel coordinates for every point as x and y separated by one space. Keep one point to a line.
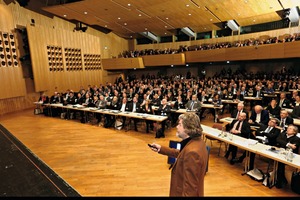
276 92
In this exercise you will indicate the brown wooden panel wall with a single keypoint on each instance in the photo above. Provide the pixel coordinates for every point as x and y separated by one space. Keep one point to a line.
122 63
163 60
205 56
11 78
18 92
292 50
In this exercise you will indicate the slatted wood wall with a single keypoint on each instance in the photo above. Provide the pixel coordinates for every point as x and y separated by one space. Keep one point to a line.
18 90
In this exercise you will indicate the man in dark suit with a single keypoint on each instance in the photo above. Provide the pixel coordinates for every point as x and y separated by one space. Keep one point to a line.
194 105
285 120
270 131
188 171
296 112
258 93
259 116
283 102
125 107
236 112
163 110
241 128
286 139
135 107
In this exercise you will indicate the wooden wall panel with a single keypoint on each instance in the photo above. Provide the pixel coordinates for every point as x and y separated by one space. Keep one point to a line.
276 50
122 63
205 56
11 78
50 31
292 50
241 53
163 60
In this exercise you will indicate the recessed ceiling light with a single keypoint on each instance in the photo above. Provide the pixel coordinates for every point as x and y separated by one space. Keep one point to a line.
105 25
165 33
166 26
85 13
187 5
167 17
210 19
119 17
204 28
190 14
140 15
254 20
65 15
129 4
125 23
131 36
146 29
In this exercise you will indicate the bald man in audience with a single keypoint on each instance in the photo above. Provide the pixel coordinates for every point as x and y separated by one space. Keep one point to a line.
259 116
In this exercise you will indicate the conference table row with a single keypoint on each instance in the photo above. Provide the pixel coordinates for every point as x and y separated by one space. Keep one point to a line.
250 145
77 107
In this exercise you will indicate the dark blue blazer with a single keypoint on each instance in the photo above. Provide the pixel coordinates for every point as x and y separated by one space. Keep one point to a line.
264 118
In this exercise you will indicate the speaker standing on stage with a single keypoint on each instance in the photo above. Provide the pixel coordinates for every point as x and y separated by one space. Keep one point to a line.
188 171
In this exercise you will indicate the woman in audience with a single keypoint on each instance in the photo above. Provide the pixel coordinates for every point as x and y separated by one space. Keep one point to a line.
147 108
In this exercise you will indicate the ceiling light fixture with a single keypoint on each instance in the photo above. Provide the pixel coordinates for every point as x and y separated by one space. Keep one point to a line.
125 7
142 12
169 25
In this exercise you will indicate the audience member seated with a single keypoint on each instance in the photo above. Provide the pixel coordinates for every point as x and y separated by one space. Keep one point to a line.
194 104
217 102
147 108
296 112
101 105
241 128
110 119
274 109
270 132
259 116
163 110
286 139
44 99
285 120
283 102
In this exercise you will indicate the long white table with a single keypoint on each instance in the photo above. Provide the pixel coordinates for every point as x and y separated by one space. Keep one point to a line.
85 109
253 146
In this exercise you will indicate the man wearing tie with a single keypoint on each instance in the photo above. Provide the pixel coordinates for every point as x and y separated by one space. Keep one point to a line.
135 107
239 127
285 120
283 101
236 112
194 104
270 131
286 139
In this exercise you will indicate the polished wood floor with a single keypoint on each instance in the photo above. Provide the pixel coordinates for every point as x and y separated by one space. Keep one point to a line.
97 161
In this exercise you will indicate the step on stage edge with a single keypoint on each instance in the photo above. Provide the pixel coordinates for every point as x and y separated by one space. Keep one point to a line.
23 174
